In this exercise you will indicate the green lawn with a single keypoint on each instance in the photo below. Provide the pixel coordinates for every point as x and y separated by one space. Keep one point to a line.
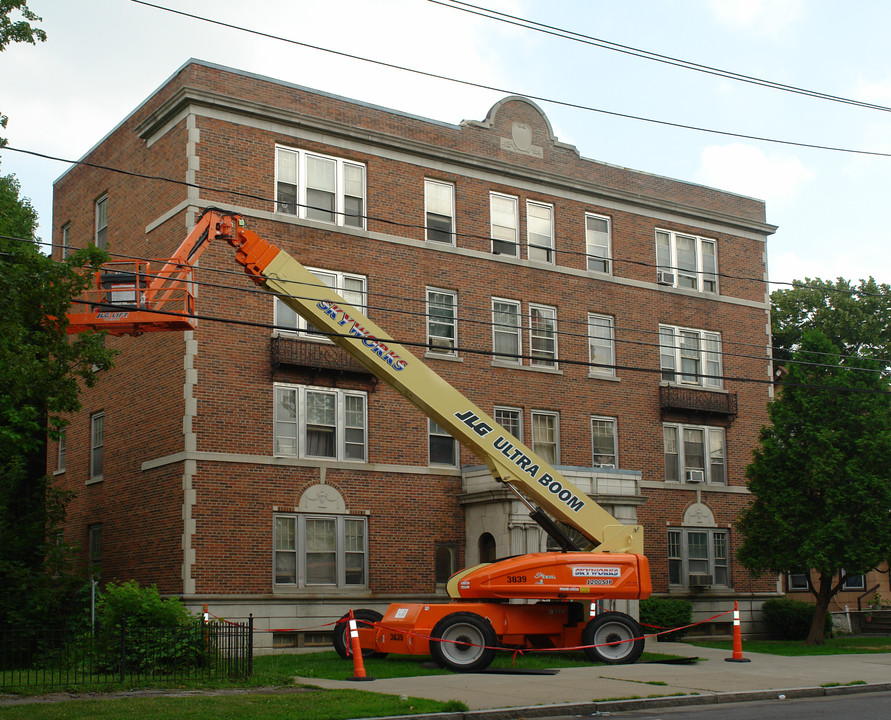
796 648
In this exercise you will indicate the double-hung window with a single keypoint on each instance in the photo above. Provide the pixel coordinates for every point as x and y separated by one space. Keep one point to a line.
442 321
597 242
439 203
312 422
686 261
97 445
101 215
690 357
694 454
511 419
319 187
698 557
349 286
604 442
320 550
546 435
506 330
505 224
443 448
543 336
601 345
540 231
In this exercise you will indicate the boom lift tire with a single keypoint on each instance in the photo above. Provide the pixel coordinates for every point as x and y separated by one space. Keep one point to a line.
613 627
463 642
364 620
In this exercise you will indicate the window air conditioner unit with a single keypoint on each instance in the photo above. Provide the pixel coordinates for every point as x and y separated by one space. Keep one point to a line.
700 581
664 278
695 476
607 466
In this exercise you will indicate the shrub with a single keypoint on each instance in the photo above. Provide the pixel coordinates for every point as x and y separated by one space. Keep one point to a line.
666 613
790 619
139 606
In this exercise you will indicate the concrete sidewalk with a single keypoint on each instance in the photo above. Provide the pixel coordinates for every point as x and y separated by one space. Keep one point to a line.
585 690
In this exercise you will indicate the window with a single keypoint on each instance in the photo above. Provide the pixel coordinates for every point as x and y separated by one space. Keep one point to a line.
698 557
97 443
94 543
439 203
694 454
597 242
442 321
540 231
60 458
686 261
601 345
505 224
604 443
350 287
506 330
690 357
543 336
546 435
318 187
314 422
101 237
320 550
66 240
511 419
853 582
443 448
796 581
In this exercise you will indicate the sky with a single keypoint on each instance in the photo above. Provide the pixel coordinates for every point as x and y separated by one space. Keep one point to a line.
102 58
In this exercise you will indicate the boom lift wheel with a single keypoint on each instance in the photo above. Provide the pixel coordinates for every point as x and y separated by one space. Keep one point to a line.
613 627
341 635
463 642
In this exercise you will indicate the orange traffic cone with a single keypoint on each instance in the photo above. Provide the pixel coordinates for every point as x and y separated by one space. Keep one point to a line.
356 649
737 638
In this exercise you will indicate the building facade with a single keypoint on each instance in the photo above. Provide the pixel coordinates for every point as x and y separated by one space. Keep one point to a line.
615 321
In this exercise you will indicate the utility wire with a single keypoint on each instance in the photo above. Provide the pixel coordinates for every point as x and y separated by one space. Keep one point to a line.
506 91
646 54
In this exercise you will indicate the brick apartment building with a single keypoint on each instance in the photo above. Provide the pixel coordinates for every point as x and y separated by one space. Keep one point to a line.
616 321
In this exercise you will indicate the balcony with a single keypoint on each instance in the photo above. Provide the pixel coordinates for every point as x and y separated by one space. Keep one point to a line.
707 402
318 357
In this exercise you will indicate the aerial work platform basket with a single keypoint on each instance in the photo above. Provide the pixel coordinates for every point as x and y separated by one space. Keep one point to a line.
131 297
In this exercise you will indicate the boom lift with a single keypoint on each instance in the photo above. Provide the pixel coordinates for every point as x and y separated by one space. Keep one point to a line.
462 634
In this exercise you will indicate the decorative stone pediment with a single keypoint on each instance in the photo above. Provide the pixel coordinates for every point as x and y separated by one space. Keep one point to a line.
322 499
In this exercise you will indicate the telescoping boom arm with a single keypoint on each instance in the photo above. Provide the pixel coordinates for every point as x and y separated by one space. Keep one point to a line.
509 460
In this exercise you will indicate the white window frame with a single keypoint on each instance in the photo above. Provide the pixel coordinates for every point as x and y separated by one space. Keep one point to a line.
542 334
289 542
797 581
60 455
434 205
700 275
679 462
538 443
681 565
853 582
601 345
507 331
540 238
343 214
290 437
605 460
437 320
100 234
66 240
288 321
504 235
599 252
681 347
97 445
515 425
435 431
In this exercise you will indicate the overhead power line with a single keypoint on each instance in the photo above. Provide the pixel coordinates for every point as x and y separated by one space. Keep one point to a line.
647 54
508 91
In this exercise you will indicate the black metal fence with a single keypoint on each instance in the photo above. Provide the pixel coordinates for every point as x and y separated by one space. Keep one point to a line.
127 654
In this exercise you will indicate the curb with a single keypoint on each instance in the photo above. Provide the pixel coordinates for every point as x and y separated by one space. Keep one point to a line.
601 707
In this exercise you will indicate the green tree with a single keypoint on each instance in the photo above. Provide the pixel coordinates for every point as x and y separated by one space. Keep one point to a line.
43 371
14 29
821 476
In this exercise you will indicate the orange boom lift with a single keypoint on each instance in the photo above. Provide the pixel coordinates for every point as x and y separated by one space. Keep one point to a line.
463 634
